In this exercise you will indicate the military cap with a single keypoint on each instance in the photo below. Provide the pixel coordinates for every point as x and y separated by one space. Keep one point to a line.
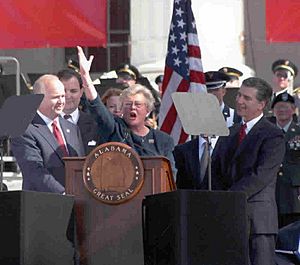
232 72
283 64
283 97
159 79
215 79
74 65
129 70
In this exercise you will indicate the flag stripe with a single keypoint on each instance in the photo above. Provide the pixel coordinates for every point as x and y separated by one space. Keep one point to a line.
194 51
197 77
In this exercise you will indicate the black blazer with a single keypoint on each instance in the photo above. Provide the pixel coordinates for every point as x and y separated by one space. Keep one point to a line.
90 132
188 166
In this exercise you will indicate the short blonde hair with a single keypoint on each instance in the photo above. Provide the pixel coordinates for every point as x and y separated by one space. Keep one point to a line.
139 89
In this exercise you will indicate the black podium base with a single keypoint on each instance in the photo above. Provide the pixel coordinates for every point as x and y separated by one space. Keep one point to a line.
195 228
33 228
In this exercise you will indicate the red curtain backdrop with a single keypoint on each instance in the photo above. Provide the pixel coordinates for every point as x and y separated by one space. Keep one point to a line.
52 23
283 20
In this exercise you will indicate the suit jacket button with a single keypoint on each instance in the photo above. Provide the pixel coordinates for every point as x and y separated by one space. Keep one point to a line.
280 174
298 197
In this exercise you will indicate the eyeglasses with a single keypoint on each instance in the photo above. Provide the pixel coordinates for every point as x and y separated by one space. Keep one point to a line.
137 104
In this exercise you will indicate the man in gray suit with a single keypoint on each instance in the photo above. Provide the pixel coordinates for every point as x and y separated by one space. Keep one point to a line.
248 160
39 151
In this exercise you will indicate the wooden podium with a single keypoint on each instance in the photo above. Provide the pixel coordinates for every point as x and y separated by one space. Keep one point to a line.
112 234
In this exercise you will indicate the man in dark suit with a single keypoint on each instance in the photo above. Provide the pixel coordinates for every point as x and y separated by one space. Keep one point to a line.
188 155
39 151
288 179
187 161
90 132
248 160
216 85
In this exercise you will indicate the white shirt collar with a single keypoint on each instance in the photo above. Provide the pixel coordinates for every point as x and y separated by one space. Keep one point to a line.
45 118
48 121
251 123
74 116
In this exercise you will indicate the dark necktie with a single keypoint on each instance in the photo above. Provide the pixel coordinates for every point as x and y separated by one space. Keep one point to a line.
242 132
204 161
59 138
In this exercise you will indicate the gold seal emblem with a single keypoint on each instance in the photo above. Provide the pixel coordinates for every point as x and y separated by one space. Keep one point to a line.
113 173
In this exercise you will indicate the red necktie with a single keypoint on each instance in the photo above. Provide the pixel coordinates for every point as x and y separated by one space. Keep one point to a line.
242 132
59 138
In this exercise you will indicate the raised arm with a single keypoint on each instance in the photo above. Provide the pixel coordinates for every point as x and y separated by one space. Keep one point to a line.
98 110
85 66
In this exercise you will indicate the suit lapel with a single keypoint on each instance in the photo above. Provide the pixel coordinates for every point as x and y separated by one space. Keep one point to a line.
47 134
69 136
249 137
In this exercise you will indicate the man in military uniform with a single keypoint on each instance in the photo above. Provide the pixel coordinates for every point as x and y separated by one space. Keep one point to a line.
284 74
233 74
215 84
127 74
288 179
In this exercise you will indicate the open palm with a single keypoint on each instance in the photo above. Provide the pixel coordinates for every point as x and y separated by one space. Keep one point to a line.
84 63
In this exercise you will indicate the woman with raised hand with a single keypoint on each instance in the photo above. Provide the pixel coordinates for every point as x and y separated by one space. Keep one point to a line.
137 102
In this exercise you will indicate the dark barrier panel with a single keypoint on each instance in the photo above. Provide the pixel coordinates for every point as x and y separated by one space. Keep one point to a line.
195 228
33 228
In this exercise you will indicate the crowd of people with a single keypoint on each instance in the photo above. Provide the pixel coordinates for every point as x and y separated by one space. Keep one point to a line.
260 157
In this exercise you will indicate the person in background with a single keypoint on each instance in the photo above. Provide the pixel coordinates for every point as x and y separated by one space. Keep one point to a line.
248 161
191 174
188 155
137 103
283 81
288 177
111 99
40 150
90 133
233 74
284 72
215 84
127 74
159 82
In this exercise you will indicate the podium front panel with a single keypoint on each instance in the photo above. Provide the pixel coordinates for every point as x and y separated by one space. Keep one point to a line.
112 234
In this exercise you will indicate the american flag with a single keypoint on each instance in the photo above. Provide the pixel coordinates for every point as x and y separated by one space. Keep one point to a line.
183 69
